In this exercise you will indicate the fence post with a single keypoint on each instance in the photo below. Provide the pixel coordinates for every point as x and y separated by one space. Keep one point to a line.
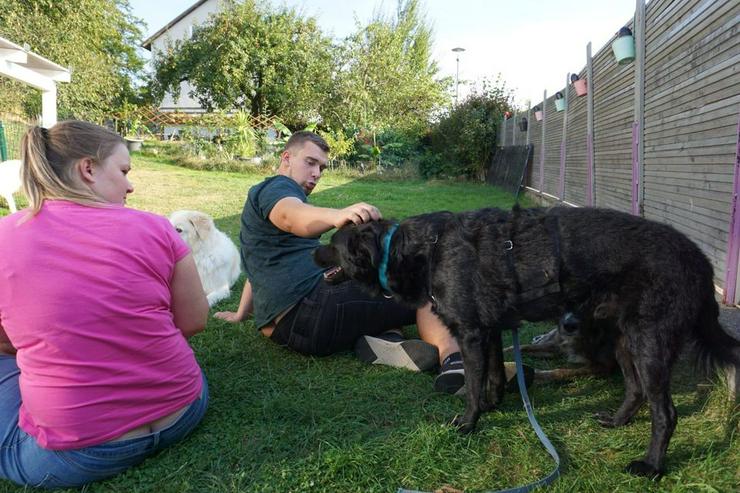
733 240
638 126
3 144
513 127
590 172
529 119
563 142
542 147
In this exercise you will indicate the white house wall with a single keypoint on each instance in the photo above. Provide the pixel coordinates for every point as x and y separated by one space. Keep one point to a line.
180 31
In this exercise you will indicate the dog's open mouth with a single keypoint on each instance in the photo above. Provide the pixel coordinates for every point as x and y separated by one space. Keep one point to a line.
334 275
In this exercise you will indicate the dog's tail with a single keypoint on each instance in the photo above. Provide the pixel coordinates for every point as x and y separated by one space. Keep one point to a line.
715 348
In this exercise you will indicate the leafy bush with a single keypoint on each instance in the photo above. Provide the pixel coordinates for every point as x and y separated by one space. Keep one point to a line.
398 148
340 146
463 142
241 138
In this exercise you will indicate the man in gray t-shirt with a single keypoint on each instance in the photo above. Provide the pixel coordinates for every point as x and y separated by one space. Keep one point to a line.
285 289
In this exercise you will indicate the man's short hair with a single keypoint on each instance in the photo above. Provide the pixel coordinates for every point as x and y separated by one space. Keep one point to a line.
302 136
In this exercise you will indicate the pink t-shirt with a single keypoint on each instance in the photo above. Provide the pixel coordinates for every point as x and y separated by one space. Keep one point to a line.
85 298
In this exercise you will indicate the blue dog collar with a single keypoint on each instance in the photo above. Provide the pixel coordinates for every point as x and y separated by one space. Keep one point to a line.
383 268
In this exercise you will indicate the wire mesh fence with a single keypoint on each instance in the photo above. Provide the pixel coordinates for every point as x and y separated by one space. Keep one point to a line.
12 128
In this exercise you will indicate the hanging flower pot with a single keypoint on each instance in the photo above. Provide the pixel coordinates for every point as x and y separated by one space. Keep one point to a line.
579 85
523 124
559 101
537 113
624 46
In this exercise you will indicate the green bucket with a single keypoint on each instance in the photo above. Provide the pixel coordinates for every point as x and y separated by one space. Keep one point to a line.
559 102
624 49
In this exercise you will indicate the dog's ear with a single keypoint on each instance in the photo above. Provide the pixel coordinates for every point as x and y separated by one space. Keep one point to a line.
202 223
326 256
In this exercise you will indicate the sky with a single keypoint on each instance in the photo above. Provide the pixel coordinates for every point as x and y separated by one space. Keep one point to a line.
533 44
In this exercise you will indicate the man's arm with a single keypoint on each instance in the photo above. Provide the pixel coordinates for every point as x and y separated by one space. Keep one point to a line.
308 221
245 307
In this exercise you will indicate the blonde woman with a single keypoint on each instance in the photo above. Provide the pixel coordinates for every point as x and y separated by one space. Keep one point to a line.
97 301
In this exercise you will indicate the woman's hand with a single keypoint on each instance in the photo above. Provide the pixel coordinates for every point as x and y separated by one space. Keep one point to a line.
231 317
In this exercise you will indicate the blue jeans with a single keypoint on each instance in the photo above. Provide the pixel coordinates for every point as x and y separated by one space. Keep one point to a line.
23 461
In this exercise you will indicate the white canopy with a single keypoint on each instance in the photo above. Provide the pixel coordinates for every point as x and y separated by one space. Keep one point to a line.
25 66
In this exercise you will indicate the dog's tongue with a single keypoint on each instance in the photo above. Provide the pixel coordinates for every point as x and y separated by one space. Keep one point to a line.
332 272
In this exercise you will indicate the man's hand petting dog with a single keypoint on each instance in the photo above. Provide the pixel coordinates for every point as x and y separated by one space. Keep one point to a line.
359 213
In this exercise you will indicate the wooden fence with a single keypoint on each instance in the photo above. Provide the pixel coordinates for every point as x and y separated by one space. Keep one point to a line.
658 137
155 122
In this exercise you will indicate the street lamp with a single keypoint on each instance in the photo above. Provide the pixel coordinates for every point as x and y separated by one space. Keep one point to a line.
457 50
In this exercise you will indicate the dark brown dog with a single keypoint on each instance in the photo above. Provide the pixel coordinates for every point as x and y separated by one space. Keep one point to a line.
584 336
486 270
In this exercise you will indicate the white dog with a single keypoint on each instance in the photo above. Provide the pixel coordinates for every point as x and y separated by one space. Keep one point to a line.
10 181
216 257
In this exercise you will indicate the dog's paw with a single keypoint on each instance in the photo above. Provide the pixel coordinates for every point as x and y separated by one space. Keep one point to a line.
463 426
605 419
642 468
486 406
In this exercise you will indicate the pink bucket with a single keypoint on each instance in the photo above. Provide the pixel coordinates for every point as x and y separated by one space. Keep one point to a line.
580 87
538 116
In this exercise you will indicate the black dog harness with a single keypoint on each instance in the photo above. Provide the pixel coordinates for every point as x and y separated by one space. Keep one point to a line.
543 280
530 285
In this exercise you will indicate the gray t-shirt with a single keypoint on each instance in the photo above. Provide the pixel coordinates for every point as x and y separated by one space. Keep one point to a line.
279 265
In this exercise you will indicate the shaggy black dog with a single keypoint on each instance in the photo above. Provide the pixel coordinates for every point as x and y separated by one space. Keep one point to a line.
486 270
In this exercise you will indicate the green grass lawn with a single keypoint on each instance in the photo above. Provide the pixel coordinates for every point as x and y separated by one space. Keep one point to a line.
281 422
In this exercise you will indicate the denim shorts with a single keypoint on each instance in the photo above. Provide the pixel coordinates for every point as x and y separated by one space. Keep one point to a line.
24 462
333 316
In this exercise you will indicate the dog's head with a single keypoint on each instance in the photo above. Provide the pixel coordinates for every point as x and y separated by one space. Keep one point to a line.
358 251
194 227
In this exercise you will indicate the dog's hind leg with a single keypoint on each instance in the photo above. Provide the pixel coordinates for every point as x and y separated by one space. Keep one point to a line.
473 344
561 374
664 418
653 365
633 393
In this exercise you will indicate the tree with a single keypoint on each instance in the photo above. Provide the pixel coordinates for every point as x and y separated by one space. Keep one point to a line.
463 141
96 39
386 76
255 58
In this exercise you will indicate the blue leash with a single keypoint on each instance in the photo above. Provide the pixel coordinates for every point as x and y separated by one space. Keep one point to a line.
555 473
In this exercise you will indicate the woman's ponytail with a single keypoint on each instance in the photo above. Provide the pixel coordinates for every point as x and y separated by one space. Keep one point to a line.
49 156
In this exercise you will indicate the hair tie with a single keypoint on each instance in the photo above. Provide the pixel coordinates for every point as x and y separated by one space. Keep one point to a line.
45 133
